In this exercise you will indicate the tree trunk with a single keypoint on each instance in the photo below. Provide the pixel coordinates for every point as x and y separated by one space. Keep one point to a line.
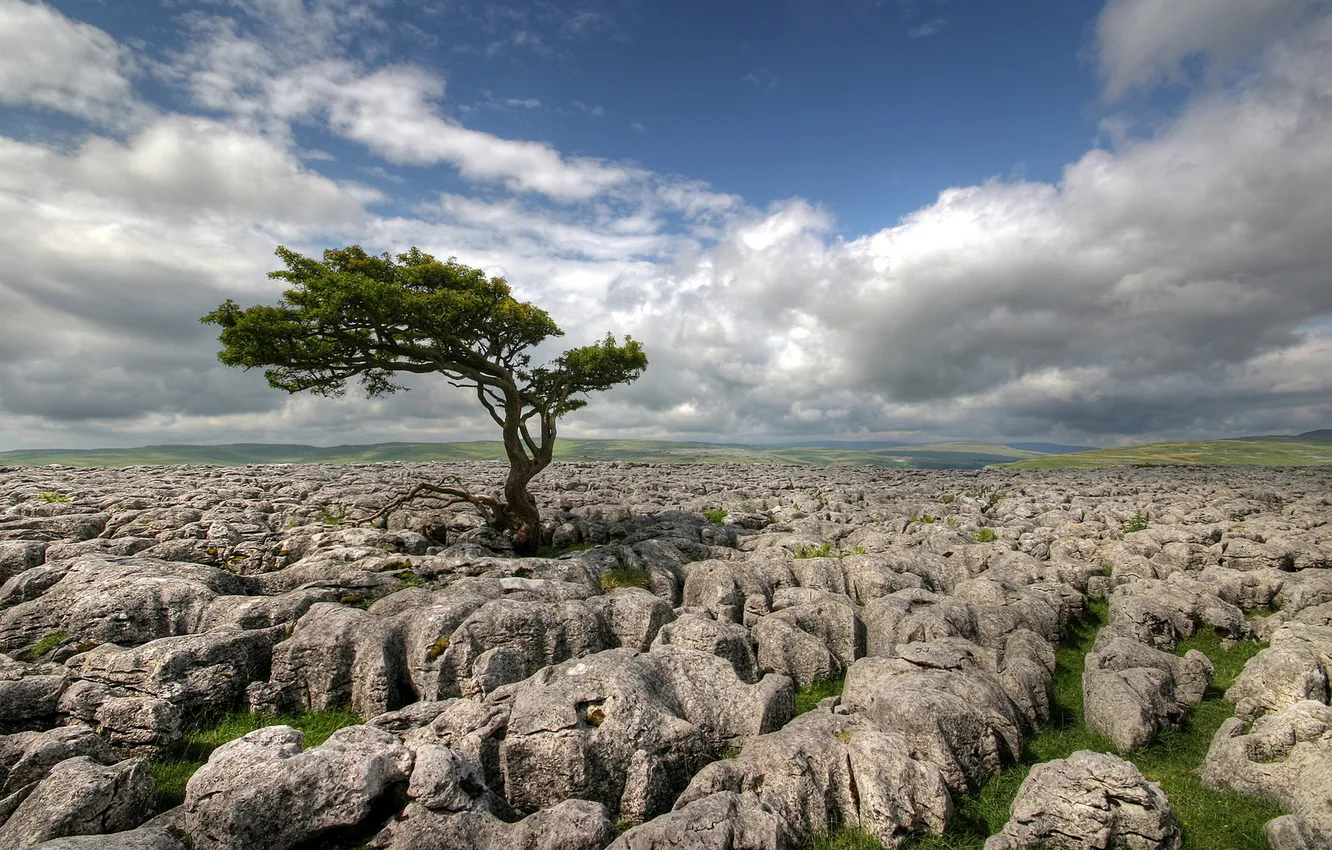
522 516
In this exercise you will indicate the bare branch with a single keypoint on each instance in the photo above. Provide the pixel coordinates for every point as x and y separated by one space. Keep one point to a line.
492 510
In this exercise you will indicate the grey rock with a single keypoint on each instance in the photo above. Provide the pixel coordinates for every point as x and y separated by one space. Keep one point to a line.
264 792
143 838
943 699
1296 666
40 752
723 821
28 702
823 770
915 616
1088 800
1132 692
198 672
82 797
628 729
723 639
1292 832
1285 757
141 726
18 556
337 656
569 825
118 600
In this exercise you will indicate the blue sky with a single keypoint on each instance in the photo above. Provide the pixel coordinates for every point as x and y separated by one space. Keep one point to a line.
907 219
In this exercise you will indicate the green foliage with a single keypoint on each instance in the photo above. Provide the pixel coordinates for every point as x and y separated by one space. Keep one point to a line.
717 516
355 315
410 579
985 534
953 523
1137 523
926 519
52 497
845 838
623 577
807 698
206 733
825 550
352 600
43 646
947 499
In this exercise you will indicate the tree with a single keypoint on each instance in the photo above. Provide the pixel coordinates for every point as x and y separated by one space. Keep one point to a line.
355 315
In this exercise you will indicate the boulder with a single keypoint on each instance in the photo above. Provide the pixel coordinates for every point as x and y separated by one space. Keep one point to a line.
264 792
628 729
942 698
1296 666
1088 801
37 753
823 770
723 639
198 672
80 796
723 821
1285 757
126 601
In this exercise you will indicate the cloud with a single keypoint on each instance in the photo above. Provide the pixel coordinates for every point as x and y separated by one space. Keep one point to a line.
1141 42
1166 287
49 61
927 29
392 110
1172 285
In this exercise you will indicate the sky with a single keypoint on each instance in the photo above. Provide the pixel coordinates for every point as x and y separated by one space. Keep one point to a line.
1060 220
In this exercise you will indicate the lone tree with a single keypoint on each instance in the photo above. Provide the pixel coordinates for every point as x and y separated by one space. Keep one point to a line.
354 315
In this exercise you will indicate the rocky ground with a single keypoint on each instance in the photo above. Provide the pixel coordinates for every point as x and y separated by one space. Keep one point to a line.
637 688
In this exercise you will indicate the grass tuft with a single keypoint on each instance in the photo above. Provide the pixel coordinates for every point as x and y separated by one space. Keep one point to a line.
623 577
41 647
985 534
717 516
1137 523
807 698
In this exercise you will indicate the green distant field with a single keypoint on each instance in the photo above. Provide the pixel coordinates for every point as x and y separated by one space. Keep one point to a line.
1243 452
938 456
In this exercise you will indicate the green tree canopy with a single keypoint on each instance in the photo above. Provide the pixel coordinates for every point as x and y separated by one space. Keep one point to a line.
354 315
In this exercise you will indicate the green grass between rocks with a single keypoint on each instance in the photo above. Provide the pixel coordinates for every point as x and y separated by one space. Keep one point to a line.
206 733
807 698
1211 820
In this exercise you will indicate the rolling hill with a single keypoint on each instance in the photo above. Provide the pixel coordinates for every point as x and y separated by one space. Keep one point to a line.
936 456
1300 450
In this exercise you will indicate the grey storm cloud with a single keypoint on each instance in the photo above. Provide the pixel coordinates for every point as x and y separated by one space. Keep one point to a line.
1173 284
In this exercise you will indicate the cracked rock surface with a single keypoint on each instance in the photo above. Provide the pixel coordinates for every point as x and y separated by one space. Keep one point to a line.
635 686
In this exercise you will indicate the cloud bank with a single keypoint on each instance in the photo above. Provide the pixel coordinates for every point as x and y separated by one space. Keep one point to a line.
1168 285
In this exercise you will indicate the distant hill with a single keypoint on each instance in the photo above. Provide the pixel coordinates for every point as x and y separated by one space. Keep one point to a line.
1247 451
1050 448
936 456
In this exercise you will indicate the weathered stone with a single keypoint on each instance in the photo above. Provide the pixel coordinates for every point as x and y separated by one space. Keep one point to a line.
263 792
79 796
823 770
1285 757
628 729
1088 800
724 821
